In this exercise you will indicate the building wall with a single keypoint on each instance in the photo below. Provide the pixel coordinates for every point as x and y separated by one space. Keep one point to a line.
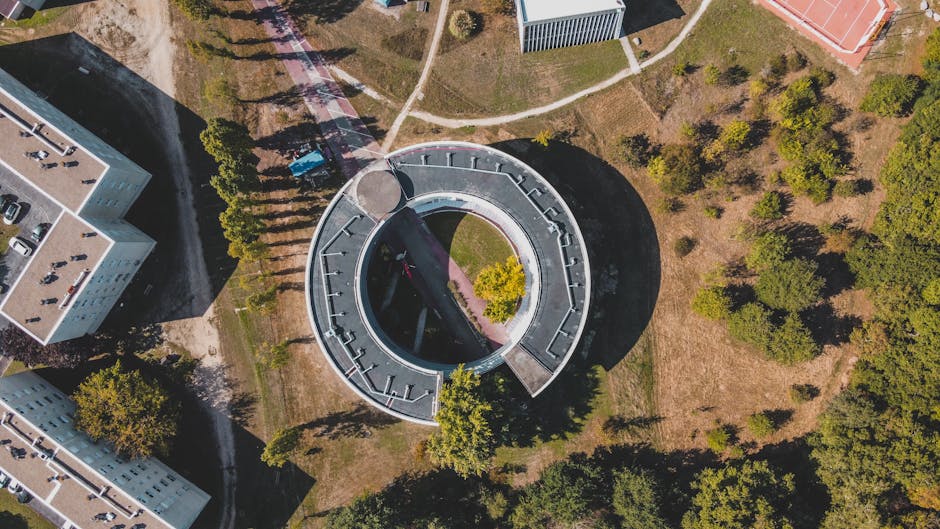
102 288
115 193
570 31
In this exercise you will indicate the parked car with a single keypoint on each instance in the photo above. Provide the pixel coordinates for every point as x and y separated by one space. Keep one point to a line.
11 212
24 497
4 480
20 246
39 232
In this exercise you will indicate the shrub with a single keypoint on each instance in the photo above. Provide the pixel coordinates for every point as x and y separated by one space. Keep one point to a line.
677 169
718 439
791 285
792 343
712 302
684 246
713 212
544 137
758 88
635 150
891 95
735 135
846 188
669 205
796 61
712 74
769 249
803 393
462 24
733 76
821 76
681 69
777 66
195 9
760 425
751 324
805 180
769 207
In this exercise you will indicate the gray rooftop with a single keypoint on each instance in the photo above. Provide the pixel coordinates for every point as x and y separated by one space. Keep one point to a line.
373 367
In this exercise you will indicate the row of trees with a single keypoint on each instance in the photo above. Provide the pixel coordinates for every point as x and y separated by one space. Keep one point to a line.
230 144
878 443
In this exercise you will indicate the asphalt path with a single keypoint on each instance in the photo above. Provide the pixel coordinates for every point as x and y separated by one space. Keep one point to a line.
350 141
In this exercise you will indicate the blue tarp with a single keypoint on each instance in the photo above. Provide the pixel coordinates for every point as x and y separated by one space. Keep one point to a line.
307 163
384 3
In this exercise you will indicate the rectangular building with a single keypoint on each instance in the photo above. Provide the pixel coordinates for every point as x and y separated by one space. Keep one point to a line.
81 481
79 188
547 24
12 9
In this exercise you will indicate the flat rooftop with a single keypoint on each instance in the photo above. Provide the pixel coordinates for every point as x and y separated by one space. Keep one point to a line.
67 179
65 256
538 10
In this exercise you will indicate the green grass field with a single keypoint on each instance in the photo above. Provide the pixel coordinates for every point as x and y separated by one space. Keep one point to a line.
17 516
473 243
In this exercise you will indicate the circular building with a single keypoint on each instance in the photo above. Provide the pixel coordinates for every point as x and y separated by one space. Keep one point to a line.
390 290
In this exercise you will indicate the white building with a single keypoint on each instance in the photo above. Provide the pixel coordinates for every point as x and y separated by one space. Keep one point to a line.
81 187
12 9
546 24
79 479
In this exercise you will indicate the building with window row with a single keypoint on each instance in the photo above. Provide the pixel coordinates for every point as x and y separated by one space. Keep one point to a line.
547 24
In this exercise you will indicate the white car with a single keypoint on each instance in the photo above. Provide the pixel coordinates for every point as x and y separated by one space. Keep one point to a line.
11 212
20 246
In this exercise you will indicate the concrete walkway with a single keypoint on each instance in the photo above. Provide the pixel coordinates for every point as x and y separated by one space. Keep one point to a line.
454 123
425 74
351 142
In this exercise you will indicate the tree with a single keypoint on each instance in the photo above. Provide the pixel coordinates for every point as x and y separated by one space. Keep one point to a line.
791 285
501 285
761 425
712 74
465 441
195 9
712 302
792 342
735 135
769 249
751 324
462 24
274 356
134 414
278 451
369 511
718 439
636 501
891 95
769 207
684 246
263 301
566 492
239 224
741 495
22 347
677 169
635 150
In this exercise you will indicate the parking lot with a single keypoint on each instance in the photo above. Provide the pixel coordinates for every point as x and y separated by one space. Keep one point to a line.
36 209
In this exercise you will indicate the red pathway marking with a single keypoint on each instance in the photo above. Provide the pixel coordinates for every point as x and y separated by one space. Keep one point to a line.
348 138
845 28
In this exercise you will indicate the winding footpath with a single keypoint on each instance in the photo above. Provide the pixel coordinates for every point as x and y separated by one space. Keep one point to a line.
425 75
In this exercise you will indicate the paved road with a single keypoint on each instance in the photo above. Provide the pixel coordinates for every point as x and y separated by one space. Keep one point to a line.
425 73
348 138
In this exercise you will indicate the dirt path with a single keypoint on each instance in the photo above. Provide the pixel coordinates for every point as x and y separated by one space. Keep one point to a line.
425 74
138 34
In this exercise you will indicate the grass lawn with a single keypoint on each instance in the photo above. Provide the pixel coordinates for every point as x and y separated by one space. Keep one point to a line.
7 233
17 516
473 243
487 74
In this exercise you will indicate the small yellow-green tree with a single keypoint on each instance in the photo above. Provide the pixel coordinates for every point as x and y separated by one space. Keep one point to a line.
282 446
501 285
465 441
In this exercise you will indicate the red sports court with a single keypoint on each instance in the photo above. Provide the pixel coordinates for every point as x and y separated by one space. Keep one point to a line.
844 27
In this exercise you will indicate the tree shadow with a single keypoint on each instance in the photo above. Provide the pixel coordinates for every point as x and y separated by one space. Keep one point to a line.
102 102
827 326
358 423
805 239
621 241
321 11
835 270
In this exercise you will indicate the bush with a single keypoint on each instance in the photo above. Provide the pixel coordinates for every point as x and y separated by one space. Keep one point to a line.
751 324
735 135
463 24
635 150
669 205
677 169
769 207
758 88
891 95
805 180
713 212
195 9
760 425
802 393
684 246
769 249
718 439
792 343
681 69
846 188
712 74
712 302
822 77
796 61
791 285
777 66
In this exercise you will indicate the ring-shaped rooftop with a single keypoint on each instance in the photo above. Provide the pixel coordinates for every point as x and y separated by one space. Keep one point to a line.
553 315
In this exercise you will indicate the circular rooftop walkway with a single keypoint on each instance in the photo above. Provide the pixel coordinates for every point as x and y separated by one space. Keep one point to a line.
543 335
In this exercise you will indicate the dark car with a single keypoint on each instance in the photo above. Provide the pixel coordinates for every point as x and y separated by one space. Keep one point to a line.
39 232
24 497
11 212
